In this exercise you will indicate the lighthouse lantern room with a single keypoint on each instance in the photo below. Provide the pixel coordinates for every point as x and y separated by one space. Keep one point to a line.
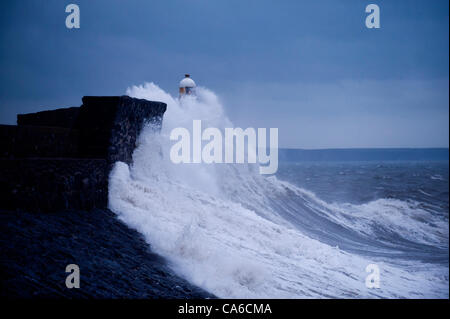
187 86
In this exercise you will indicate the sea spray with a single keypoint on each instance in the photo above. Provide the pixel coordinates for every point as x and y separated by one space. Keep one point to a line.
226 228
229 150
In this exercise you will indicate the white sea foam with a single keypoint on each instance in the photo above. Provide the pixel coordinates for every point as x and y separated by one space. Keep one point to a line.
217 225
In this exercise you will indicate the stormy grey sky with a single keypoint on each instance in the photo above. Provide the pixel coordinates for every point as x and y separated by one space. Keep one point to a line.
310 68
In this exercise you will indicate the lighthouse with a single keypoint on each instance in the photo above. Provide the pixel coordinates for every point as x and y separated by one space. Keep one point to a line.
187 86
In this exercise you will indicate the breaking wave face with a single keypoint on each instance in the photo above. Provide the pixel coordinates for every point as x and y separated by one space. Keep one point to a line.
239 234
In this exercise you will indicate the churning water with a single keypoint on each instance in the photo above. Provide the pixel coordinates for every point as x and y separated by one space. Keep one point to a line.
299 234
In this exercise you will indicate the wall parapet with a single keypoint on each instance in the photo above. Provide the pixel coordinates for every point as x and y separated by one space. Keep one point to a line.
61 159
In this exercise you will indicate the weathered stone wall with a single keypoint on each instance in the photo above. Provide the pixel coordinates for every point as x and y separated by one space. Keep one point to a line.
109 126
58 163
56 160
38 141
43 185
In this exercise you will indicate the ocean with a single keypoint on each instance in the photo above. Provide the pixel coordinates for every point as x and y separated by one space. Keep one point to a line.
310 231
399 190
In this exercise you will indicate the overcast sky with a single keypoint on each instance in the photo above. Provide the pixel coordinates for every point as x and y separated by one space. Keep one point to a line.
310 68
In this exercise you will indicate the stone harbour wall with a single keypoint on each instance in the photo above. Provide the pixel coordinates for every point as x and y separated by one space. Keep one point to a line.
60 159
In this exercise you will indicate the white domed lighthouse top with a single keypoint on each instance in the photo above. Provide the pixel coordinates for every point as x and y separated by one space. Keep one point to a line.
187 82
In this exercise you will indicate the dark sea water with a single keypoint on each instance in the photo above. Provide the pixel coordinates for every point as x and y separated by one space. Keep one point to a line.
412 195
361 182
